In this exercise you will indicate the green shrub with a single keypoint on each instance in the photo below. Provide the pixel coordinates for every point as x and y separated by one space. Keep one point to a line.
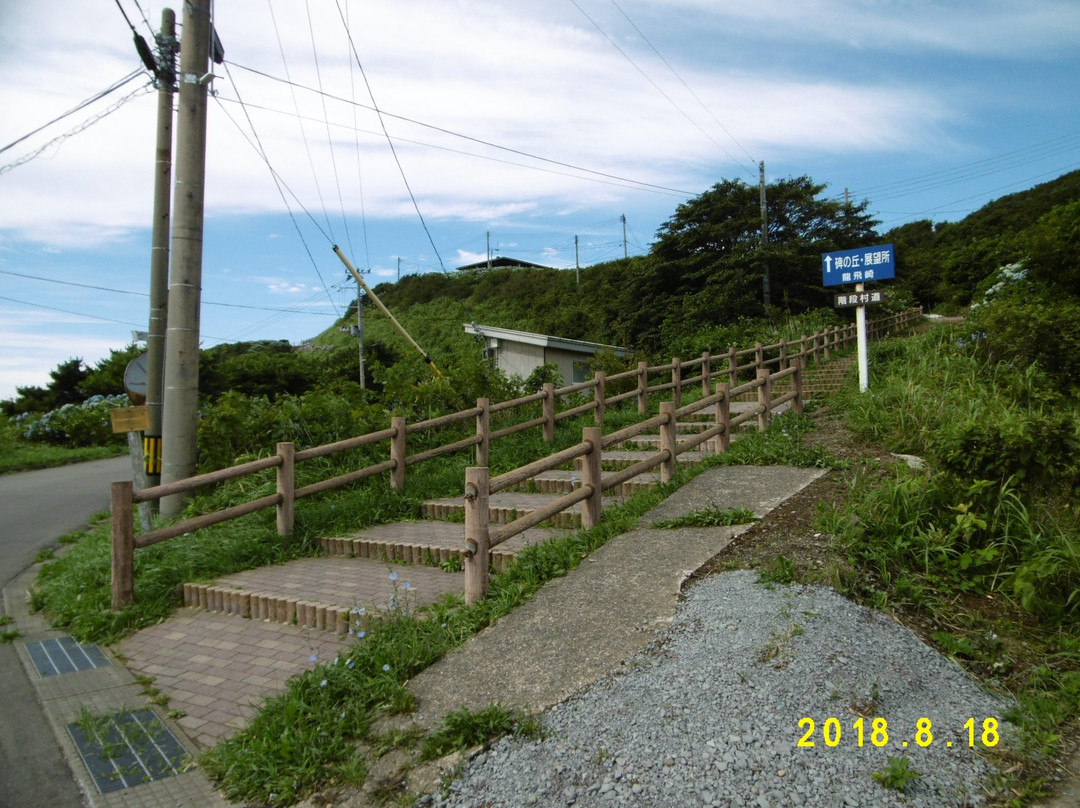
74 425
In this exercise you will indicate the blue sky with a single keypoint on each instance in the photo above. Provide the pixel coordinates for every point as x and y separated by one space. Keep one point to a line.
534 121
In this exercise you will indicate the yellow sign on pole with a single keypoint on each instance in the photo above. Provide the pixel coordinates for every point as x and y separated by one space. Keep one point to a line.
130 419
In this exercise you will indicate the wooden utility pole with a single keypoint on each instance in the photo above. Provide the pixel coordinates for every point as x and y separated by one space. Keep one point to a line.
625 249
360 330
577 262
766 296
181 393
159 249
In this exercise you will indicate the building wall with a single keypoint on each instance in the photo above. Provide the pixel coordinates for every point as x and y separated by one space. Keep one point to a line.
517 358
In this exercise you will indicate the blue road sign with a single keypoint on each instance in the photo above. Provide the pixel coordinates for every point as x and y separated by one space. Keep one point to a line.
858 266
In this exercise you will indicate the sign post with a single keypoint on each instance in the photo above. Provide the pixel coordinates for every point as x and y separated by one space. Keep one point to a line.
858 266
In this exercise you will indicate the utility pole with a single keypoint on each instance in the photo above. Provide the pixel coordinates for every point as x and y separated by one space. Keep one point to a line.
399 269
577 262
181 393
625 249
360 330
159 249
766 297
489 250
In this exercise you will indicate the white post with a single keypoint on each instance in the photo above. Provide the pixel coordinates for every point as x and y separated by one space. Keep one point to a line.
860 336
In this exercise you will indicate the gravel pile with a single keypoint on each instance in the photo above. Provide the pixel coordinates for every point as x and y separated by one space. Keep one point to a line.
710 715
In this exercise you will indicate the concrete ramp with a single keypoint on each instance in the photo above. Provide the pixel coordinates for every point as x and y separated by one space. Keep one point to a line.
578 628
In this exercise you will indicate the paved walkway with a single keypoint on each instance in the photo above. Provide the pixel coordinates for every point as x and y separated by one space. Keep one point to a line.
216 668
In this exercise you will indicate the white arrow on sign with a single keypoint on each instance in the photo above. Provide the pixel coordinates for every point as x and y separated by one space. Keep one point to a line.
828 263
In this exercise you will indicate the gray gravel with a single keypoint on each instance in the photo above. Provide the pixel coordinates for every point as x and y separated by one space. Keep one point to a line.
709 715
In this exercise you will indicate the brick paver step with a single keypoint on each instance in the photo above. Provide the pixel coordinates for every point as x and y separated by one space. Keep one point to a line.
426 542
624 458
321 593
504 507
560 481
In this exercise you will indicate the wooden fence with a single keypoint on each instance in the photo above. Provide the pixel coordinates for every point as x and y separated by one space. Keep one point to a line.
733 365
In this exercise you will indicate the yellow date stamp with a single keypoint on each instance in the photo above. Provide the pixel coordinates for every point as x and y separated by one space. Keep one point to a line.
876 731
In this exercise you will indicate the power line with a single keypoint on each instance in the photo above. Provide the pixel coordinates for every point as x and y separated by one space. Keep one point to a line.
389 140
116 85
480 141
144 294
278 182
303 133
683 82
80 128
658 88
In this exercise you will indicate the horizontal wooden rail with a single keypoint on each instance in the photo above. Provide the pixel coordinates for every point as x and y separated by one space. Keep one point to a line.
345 445
520 475
789 356
344 479
630 472
206 520
210 478
517 402
533 518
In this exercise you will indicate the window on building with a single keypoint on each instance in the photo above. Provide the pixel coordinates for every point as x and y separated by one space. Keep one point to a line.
581 372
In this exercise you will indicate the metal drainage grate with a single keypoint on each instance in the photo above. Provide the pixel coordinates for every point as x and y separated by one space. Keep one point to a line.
122 750
64 655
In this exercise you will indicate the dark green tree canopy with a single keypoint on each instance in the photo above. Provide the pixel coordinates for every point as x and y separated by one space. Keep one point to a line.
708 262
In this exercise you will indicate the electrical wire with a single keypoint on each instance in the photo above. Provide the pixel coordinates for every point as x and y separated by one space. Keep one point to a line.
116 85
144 294
56 141
638 183
303 132
326 120
675 73
278 182
660 90
389 140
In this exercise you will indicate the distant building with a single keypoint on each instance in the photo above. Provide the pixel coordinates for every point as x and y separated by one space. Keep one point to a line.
499 262
521 352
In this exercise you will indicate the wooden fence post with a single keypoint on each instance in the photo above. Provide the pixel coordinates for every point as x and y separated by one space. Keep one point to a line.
592 507
600 397
759 355
676 381
783 355
483 429
723 416
643 388
828 334
796 386
733 367
476 534
764 399
397 453
667 440
706 373
123 544
549 411
286 486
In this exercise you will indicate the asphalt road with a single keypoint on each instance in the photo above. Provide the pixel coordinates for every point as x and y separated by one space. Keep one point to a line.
36 508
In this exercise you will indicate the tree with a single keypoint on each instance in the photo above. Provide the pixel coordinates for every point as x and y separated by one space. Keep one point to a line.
708 263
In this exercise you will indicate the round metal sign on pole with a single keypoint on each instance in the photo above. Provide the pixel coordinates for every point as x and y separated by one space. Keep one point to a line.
135 379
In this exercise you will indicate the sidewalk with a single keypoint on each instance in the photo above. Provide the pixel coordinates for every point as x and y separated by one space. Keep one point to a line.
216 668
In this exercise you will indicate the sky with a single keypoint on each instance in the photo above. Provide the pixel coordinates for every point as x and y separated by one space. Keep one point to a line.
419 134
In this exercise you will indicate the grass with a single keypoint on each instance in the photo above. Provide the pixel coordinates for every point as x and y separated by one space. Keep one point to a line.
897 774
983 557
311 734
710 517
23 456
